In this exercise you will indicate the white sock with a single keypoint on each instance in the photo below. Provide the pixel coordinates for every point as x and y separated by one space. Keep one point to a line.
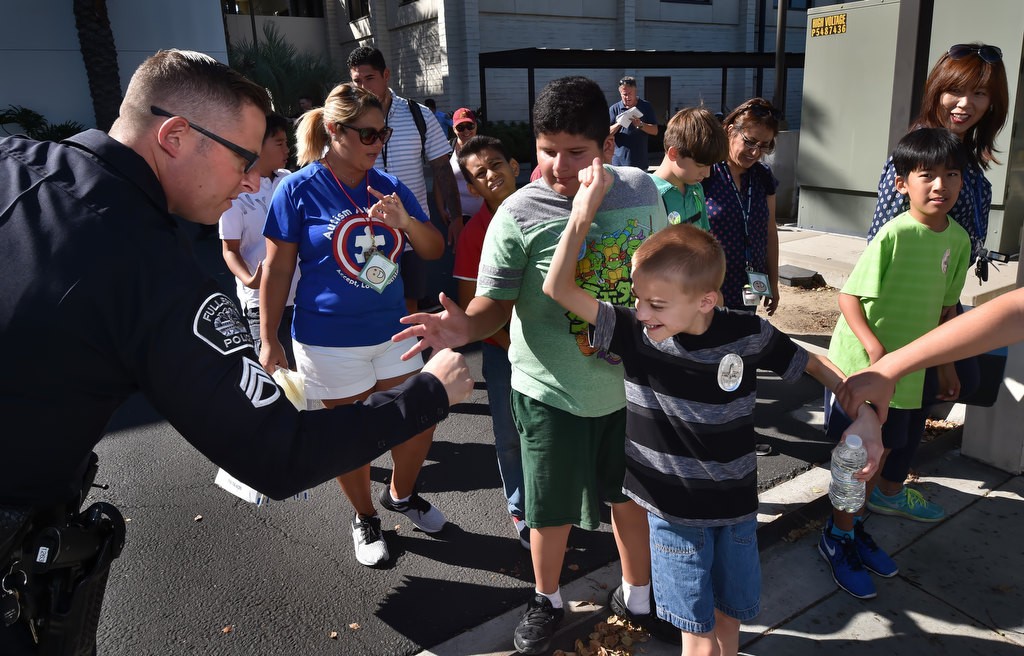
555 597
637 598
402 500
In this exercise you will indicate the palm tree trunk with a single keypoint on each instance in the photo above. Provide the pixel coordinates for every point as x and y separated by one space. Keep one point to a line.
96 41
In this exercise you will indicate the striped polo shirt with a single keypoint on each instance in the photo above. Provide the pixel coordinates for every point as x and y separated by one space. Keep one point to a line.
402 154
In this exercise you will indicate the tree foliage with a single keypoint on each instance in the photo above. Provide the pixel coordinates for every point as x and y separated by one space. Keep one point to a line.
286 73
35 126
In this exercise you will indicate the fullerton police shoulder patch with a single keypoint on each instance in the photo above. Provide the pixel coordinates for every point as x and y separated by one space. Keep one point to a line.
219 324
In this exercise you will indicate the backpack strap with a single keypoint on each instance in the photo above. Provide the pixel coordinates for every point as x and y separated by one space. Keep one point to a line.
417 117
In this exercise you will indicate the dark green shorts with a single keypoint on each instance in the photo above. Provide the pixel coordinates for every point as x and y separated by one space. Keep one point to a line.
570 464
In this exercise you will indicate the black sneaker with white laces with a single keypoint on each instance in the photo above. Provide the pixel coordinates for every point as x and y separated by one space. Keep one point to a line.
538 625
420 512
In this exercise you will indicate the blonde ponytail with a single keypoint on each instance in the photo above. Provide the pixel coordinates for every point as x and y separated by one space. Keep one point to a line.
311 136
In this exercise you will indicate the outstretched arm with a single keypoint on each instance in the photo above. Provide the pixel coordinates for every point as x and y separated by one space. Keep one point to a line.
560 282
865 424
454 327
999 322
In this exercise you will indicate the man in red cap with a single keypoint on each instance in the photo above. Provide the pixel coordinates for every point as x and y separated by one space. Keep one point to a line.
465 126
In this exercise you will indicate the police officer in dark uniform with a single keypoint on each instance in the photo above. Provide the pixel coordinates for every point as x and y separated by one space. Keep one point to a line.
100 296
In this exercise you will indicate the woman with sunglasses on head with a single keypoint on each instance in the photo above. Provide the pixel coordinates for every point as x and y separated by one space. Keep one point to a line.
465 126
966 93
740 197
345 224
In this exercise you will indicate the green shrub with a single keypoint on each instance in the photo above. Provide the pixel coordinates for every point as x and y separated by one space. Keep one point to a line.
517 137
283 71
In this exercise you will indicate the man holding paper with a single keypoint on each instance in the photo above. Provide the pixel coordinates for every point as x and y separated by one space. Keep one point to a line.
632 121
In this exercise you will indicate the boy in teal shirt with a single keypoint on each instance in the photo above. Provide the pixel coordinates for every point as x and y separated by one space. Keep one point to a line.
906 283
568 399
694 140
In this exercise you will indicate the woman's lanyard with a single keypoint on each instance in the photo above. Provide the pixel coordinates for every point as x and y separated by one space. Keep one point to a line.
362 210
744 211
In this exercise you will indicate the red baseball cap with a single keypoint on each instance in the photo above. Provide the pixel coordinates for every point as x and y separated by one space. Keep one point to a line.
463 115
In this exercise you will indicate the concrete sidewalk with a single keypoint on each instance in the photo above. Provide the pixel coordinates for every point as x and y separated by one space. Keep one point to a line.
960 589
834 256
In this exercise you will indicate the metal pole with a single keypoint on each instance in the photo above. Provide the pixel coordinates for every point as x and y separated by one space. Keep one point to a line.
780 58
252 17
762 13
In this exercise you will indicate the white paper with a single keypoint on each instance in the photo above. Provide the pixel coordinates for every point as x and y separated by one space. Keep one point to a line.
291 383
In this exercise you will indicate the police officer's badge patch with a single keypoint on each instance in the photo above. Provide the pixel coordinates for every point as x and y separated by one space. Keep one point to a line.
219 324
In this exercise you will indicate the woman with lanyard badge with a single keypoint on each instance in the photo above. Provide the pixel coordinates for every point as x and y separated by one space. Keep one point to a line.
740 196
966 93
345 223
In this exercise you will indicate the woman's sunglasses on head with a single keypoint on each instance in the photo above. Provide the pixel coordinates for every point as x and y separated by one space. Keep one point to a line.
761 110
988 54
367 136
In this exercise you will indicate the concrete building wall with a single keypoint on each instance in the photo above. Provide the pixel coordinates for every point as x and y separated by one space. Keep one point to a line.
42 65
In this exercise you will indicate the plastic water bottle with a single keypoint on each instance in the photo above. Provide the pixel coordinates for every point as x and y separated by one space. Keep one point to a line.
847 493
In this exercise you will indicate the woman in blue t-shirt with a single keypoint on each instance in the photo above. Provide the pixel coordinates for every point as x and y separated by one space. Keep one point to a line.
346 225
740 197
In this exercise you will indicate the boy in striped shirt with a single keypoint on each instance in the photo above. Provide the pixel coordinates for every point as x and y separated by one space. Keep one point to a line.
691 377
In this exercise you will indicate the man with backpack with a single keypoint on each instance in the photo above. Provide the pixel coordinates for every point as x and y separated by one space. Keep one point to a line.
415 135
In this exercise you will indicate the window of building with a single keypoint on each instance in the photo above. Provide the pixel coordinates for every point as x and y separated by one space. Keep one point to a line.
689 2
301 8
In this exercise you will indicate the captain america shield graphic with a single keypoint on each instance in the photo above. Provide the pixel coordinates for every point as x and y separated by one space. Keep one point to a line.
357 236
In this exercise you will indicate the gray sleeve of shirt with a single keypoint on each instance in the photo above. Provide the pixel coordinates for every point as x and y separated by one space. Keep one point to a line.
601 334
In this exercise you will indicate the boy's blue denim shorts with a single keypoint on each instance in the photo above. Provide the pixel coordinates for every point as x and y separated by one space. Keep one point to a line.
696 570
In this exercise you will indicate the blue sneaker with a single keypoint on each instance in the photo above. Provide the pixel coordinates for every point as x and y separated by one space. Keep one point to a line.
908 503
847 569
871 555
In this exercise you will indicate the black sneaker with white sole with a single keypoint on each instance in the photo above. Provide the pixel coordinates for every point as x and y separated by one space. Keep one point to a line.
538 626
420 512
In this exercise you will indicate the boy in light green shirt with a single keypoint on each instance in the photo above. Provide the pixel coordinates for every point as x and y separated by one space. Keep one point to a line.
694 140
568 399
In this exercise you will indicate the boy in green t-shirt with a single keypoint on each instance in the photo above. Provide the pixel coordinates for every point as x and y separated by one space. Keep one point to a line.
906 283
568 399
694 140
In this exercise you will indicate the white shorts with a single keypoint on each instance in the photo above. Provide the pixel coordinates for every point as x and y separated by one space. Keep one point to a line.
340 372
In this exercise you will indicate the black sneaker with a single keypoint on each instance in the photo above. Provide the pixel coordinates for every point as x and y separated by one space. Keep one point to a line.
420 512
535 630
649 622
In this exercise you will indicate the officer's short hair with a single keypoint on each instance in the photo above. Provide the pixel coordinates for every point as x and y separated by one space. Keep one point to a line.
190 84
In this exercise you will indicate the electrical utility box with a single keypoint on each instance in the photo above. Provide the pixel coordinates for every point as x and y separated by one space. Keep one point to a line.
865 68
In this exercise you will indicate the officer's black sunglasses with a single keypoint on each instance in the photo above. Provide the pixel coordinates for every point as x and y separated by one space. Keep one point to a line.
249 156
989 54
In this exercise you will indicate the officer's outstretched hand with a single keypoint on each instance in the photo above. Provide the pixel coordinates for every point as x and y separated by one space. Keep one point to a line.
450 368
